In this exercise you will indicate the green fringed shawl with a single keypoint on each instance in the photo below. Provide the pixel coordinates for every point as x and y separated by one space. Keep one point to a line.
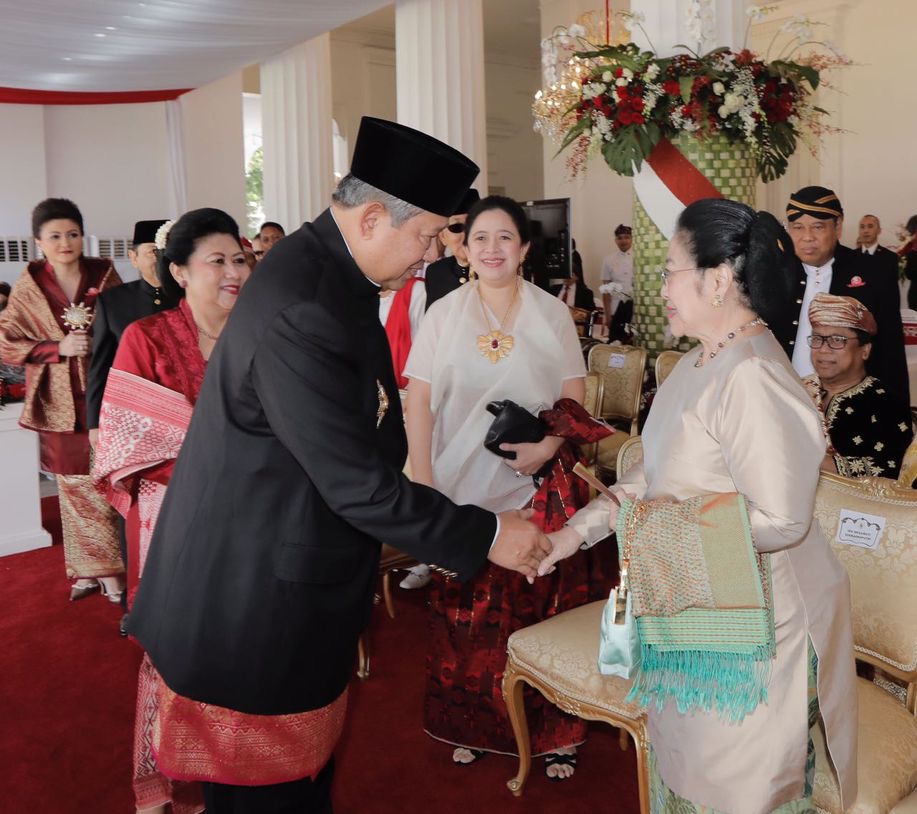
702 600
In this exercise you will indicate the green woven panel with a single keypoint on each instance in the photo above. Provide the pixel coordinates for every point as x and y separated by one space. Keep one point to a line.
731 169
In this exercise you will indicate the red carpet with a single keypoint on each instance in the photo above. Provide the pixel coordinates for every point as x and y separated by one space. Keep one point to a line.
67 684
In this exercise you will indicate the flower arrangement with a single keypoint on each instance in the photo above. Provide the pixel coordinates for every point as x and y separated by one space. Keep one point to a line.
622 101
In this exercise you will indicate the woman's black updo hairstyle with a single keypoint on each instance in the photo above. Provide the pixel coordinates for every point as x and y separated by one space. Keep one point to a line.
501 202
183 238
717 230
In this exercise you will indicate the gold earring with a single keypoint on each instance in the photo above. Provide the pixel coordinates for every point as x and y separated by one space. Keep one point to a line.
717 301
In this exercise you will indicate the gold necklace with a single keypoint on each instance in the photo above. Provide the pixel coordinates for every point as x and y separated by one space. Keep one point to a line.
496 345
729 337
202 332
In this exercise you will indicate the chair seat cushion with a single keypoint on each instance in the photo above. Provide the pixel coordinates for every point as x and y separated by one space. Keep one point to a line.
562 652
886 756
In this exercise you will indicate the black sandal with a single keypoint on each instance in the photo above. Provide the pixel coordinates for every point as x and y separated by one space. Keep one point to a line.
555 759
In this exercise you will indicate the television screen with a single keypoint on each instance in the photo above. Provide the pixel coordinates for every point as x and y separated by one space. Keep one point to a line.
548 261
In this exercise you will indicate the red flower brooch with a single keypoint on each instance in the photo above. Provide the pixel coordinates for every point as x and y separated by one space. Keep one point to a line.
856 282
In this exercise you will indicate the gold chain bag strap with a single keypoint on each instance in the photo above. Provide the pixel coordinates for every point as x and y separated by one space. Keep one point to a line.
619 645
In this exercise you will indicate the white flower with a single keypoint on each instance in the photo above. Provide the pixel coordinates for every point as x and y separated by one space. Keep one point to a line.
723 111
607 76
651 72
162 235
576 30
718 88
758 13
633 19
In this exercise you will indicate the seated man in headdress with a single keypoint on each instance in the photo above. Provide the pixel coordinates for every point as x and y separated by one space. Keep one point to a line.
868 430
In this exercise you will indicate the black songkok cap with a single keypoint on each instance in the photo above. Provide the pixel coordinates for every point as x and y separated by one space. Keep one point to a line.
145 231
469 199
412 166
818 202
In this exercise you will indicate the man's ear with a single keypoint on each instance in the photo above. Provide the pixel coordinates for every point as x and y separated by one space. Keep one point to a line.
371 219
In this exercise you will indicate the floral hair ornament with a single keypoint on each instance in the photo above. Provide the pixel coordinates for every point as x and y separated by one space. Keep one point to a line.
162 235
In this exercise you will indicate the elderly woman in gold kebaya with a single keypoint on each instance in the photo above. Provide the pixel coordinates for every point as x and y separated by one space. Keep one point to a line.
742 609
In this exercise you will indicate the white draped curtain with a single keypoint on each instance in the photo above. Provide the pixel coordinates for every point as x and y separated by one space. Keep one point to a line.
297 132
178 182
440 74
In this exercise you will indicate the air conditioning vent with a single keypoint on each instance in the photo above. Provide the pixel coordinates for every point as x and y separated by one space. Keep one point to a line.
15 249
114 247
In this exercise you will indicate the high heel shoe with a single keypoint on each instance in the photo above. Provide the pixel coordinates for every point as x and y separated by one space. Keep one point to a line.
113 596
84 590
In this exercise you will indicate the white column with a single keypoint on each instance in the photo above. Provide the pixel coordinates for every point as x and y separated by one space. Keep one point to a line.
700 24
296 112
439 66
20 506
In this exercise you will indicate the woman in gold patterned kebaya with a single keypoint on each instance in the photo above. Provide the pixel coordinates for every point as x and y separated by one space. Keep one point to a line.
742 609
47 327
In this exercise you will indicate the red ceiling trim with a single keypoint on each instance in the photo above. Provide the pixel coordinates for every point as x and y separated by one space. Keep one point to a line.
22 96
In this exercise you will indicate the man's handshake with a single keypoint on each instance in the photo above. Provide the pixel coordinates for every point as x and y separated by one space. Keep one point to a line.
520 545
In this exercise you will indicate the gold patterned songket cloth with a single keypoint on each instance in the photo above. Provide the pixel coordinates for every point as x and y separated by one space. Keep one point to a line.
496 344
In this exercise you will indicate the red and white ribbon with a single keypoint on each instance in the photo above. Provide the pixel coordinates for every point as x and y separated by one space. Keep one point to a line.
667 183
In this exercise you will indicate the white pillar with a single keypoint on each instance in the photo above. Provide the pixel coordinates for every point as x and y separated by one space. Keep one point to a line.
296 112
439 66
20 505
700 24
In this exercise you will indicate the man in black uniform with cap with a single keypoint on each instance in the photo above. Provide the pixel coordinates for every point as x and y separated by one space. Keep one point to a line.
815 218
120 306
261 572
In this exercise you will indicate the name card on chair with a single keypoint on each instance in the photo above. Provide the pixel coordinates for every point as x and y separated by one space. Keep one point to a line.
617 360
860 529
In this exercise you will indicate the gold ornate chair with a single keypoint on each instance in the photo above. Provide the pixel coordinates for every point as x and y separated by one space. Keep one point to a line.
883 583
622 369
665 362
592 402
908 473
559 658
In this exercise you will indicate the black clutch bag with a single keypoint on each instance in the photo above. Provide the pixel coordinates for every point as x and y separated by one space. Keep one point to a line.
512 424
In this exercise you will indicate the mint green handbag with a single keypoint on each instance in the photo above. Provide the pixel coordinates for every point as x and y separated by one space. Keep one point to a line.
619 648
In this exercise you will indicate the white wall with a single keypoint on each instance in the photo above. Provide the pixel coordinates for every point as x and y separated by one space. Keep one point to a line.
600 200
214 148
112 160
873 164
25 177
514 149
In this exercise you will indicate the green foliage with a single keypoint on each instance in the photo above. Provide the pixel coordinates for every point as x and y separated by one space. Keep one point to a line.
254 190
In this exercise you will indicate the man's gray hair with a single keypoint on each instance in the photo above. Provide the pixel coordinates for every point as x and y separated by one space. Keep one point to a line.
353 192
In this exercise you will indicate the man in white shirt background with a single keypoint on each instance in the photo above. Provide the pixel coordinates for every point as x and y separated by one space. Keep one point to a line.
618 267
